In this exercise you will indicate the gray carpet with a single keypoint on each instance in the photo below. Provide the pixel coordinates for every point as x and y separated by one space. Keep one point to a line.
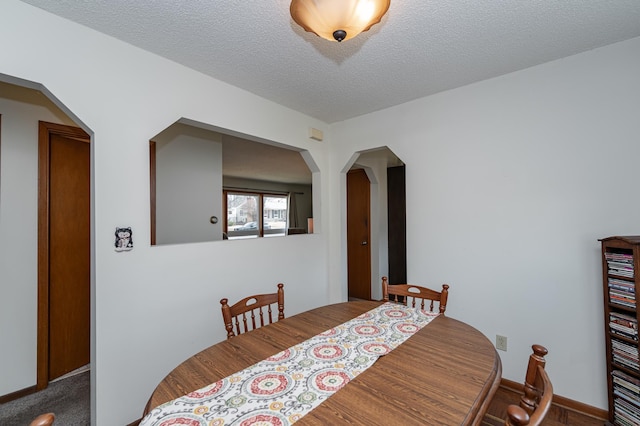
68 399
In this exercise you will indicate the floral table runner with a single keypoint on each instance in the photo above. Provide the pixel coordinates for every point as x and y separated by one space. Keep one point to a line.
284 387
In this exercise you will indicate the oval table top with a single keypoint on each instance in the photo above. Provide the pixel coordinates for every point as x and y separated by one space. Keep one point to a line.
445 374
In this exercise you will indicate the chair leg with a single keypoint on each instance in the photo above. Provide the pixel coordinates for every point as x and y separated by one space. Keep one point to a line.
43 420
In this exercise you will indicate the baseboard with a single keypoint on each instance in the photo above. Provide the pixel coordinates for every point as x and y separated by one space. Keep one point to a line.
561 401
17 394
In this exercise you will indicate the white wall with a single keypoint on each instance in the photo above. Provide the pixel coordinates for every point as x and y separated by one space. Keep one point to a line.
188 185
124 96
21 109
510 183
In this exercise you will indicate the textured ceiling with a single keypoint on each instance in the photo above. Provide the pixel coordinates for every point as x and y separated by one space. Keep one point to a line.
421 47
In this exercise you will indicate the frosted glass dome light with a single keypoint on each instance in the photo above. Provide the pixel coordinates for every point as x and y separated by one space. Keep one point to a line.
338 20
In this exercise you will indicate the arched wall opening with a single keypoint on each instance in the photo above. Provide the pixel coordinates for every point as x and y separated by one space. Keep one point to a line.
35 132
375 163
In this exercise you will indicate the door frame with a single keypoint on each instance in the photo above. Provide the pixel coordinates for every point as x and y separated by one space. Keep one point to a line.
369 265
45 131
152 190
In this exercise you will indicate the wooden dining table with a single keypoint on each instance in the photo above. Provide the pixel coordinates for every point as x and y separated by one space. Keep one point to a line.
445 374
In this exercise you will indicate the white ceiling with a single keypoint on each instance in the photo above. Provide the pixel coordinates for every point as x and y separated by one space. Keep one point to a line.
421 47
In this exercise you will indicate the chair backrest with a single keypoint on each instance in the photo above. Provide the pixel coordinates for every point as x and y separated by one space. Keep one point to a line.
249 313
538 393
43 420
406 291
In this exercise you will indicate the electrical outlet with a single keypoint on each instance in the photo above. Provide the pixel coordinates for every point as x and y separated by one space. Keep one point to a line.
501 342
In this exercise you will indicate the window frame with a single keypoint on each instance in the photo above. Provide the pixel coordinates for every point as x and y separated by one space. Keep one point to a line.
261 194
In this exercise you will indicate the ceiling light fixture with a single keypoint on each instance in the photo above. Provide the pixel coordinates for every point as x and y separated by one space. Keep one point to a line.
338 19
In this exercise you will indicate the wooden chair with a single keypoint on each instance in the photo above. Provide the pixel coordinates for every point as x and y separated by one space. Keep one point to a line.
406 291
247 309
43 420
537 396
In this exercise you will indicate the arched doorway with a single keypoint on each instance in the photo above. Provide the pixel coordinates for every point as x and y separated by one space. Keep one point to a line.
385 244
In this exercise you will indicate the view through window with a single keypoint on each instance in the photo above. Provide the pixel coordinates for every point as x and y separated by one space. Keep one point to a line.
255 214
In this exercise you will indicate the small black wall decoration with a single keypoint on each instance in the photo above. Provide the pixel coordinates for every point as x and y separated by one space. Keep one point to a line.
124 240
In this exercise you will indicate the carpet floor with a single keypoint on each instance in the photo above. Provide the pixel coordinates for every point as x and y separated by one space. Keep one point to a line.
68 399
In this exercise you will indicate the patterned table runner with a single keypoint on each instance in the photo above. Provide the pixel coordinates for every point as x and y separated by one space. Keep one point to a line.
284 387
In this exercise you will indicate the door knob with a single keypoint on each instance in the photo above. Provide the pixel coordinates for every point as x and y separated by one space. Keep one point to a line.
364 243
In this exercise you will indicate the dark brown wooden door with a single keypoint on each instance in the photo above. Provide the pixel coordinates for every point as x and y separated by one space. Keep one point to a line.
69 255
358 234
397 224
